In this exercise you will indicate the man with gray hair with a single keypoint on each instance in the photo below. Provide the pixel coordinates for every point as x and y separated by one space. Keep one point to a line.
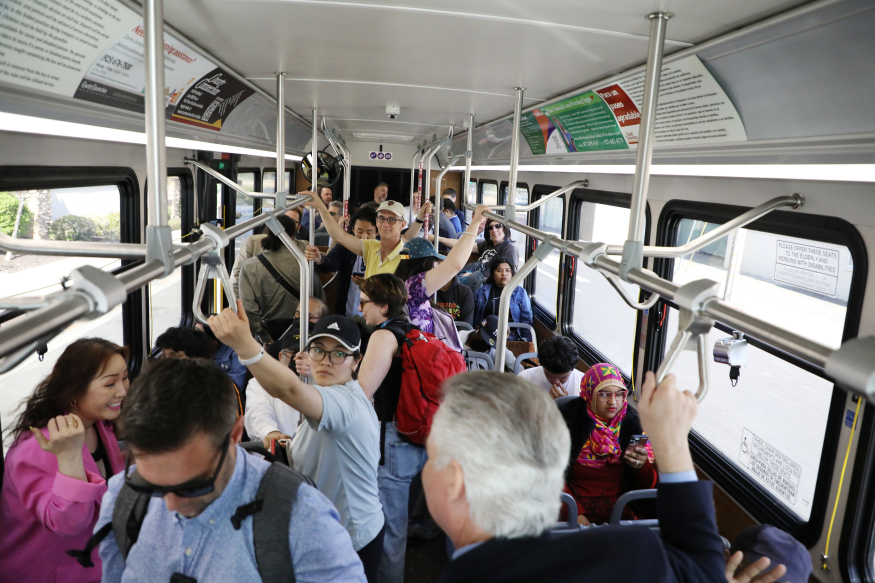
497 452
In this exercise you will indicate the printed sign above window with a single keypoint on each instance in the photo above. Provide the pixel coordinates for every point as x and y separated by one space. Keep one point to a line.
692 108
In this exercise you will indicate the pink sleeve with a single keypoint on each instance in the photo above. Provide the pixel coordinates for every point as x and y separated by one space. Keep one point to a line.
64 505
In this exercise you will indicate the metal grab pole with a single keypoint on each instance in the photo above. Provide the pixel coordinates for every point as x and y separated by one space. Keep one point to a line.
280 189
72 248
632 249
469 154
438 209
514 153
314 179
228 182
413 201
159 244
794 200
542 251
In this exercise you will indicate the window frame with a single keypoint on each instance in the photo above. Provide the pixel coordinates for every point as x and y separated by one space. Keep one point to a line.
758 501
480 184
259 202
52 177
589 353
540 313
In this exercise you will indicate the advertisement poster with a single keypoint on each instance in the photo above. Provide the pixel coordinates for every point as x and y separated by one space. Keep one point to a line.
209 101
692 108
93 50
117 76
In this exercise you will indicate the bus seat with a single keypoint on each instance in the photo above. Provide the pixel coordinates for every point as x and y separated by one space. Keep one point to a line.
478 360
518 363
464 326
617 512
525 326
562 400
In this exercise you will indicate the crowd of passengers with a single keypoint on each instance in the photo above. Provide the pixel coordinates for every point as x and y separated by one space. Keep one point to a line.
501 449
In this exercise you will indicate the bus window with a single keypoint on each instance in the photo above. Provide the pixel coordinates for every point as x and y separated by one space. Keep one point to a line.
521 199
470 198
165 294
246 206
601 317
268 182
488 193
771 425
547 273
91 213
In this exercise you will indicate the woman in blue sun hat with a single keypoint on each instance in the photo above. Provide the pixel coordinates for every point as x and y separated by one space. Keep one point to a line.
425 271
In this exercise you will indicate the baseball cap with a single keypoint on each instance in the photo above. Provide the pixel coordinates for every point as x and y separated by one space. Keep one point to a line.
764 540
489 330
340 328
392 206
418 248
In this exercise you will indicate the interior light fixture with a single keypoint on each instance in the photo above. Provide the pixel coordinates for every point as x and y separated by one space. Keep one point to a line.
11 122
379 137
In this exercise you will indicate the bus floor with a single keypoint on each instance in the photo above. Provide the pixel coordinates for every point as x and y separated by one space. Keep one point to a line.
425 559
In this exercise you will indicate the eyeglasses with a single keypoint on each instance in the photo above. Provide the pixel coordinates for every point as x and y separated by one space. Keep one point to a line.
390 220
313 318
606 395
494 226
363 302
193 489
334 356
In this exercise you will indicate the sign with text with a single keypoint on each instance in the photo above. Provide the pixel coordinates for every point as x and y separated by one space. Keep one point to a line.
380 156
773 468
804 266
692 109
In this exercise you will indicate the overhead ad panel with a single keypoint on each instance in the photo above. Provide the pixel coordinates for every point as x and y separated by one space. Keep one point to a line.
692 109
93 50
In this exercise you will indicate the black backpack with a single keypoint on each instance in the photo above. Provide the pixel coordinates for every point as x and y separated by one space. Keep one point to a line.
271 512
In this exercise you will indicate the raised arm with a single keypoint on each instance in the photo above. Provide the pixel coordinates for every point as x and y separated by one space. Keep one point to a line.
275 378
334 229
449 242
458 256
377 361
413 231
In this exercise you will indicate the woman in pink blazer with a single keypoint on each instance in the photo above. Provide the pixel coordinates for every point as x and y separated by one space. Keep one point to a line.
63 451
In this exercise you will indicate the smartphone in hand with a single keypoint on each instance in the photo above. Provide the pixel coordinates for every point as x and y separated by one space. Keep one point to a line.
637 441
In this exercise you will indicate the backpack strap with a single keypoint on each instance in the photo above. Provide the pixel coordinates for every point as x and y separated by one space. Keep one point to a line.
270 523
127 519
279 278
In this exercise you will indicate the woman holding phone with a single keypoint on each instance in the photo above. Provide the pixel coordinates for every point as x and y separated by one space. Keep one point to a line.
610 454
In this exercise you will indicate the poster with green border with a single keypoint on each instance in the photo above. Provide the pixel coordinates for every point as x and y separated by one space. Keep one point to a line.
583 123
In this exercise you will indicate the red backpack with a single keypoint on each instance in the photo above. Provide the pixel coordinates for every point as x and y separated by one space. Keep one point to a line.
426 363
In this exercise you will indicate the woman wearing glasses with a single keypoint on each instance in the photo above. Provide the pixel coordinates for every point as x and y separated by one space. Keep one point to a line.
337 446
63 451
604 463
496 243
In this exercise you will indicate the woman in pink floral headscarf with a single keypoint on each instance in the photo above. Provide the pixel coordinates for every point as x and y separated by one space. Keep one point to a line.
603 465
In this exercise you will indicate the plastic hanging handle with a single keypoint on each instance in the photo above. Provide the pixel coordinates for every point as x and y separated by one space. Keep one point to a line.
212 267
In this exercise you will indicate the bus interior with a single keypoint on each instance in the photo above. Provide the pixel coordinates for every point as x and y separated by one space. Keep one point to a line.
606 135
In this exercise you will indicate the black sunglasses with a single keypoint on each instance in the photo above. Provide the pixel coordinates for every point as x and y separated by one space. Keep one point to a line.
188 490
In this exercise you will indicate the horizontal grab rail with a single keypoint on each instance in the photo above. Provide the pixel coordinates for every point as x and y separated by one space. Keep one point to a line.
541 201
795 200
72 248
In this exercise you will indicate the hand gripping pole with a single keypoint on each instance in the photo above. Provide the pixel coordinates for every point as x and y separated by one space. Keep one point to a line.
693 329
213 267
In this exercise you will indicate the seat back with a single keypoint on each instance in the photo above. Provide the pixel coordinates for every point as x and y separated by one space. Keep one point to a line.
478 360
617 512
518 363
562 400
464 326
526 326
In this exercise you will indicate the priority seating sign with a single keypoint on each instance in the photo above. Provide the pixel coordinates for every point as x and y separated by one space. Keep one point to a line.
380 156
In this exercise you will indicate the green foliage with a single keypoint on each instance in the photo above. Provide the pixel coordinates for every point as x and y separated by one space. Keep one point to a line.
88 228
73 228
8 211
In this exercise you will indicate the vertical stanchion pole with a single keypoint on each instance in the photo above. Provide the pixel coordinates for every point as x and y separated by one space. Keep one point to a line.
633 248
514 154
437 192
280 189
414 194
314 179
469 154
159 244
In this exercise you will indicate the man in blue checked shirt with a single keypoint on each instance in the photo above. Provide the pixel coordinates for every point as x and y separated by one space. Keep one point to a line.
180 422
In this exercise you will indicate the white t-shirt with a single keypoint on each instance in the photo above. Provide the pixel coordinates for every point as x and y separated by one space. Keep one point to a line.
265 414
537 377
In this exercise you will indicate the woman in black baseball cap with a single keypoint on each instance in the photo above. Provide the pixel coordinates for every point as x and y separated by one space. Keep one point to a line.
338 445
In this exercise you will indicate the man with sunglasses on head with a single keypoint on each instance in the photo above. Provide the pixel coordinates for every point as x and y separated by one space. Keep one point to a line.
181 426
383 255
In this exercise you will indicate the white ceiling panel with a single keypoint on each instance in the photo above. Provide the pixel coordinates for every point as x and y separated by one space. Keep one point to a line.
441 59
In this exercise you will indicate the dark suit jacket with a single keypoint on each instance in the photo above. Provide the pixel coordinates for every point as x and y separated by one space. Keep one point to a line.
687 550
341 260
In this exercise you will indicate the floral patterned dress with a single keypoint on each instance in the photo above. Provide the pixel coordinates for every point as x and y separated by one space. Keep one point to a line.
418 304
